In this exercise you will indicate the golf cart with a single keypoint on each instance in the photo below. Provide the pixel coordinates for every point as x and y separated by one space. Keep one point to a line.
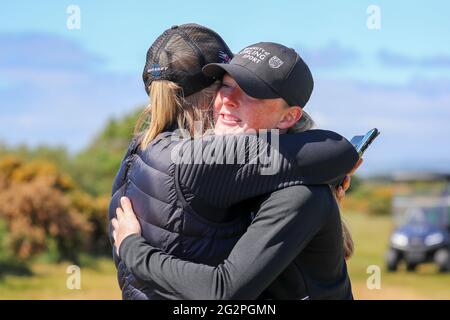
421 209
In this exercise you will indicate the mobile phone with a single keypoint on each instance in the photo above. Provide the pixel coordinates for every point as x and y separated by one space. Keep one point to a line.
361 143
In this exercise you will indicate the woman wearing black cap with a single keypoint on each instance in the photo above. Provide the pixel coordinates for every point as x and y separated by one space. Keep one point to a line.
184 208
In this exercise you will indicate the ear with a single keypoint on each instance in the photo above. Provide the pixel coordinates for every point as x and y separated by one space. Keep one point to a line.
290 117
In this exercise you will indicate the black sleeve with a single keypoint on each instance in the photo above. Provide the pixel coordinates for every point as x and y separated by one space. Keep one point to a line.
286 222
219 171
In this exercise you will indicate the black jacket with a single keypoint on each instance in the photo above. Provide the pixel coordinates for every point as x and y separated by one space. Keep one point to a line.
292 250
182 197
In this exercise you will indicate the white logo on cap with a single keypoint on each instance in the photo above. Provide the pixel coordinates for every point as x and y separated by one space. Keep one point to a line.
254 54
156 70
275 62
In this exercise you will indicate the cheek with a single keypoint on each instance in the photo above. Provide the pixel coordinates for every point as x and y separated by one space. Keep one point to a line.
264 122
261 117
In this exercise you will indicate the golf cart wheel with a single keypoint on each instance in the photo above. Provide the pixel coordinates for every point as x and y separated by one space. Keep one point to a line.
392 260
411 266
442 259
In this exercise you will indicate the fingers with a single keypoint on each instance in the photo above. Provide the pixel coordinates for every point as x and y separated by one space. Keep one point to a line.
115 223
340 193
126 205
340 190
119 214
358 163
346 183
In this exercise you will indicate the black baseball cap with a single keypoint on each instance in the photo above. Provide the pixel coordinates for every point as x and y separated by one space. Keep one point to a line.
268 70
180 53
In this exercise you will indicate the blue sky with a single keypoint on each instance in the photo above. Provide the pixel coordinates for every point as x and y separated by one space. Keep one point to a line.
59 86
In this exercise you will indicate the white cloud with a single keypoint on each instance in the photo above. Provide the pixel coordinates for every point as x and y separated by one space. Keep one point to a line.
59 95
414 124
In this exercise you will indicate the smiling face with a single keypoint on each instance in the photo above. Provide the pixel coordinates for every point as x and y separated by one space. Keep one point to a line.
236 112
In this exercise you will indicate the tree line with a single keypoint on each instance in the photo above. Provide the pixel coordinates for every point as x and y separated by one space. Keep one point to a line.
56 203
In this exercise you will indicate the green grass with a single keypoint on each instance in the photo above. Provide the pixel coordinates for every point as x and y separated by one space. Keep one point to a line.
48 281
371 234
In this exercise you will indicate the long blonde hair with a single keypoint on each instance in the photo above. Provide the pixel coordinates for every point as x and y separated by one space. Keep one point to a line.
169 108
306 123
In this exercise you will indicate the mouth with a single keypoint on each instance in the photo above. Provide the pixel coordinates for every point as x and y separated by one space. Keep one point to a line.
229 119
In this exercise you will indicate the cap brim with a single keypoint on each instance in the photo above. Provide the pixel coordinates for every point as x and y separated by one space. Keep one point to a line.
247 80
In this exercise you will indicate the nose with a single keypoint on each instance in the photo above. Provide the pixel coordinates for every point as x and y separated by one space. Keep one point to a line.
231 98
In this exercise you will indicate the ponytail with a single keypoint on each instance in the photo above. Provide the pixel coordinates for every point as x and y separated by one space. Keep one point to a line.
163 110
168 108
